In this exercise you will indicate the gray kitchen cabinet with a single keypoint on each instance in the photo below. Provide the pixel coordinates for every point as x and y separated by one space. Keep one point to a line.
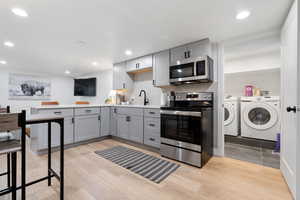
161 68
152 127
113 122
199 49
130 124
189 51
87 127
177 55
139 63
121 79
122 126
136 132
39 136
42 130
105 121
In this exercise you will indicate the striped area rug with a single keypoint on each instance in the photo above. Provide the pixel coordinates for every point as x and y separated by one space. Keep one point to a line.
150 167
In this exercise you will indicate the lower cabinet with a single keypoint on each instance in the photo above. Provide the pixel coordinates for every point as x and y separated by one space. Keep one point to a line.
105 121
113 122
87 127
122 124
152 129
130 127
39 134
136 132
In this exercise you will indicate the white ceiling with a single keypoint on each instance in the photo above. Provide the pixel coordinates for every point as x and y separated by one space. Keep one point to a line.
70 34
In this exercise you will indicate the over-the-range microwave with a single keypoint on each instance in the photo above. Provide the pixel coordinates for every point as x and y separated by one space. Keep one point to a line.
192 71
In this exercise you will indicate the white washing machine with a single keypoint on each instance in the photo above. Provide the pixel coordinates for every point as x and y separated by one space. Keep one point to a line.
260 117
231 116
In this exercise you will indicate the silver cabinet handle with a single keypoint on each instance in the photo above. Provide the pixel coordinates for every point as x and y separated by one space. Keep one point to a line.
152 113
151 139
57 113
181 113
88 111
152 125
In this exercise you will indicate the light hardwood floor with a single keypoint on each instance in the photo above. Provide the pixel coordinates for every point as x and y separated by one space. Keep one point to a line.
90 177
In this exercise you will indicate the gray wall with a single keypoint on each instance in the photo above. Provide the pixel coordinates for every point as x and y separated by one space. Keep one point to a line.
264 79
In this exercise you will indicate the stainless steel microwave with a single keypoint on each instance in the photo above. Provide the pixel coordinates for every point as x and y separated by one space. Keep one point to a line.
192 71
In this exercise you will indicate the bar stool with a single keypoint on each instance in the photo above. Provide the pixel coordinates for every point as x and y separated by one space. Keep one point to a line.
7 173
10 146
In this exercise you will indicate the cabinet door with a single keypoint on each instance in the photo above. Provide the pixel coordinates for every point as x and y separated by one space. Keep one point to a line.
145 62
198 49
136 130
40 134
87 127
105 121
132 65
139 63
161 68
69 130
113 122
122 125
177 55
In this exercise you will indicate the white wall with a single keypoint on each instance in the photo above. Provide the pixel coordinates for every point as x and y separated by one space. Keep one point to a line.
262 61
61 90
253 53
269 80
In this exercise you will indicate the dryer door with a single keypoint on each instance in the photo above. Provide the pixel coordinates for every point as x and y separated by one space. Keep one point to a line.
229 114
260 116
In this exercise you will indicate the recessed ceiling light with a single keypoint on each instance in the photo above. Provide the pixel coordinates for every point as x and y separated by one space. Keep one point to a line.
19 12
67 72
243 15
3 62
95 63
128 52
9 44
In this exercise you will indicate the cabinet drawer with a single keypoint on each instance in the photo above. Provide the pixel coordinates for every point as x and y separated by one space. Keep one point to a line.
152 125
152 112
130 111
58 112
87 111
152 139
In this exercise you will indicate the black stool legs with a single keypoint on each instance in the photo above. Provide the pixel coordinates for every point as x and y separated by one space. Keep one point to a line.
14 175
8 170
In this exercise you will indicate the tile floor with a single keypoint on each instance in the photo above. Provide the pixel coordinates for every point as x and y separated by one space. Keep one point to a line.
257 155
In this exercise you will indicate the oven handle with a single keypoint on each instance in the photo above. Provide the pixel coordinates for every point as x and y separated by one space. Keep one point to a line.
181 113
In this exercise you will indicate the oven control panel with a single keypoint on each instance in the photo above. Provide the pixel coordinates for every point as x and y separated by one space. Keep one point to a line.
193 96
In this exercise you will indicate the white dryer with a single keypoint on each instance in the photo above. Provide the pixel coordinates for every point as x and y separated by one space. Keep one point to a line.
231 116
260 117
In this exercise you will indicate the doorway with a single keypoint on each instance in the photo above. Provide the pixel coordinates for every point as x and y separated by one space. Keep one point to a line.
252 99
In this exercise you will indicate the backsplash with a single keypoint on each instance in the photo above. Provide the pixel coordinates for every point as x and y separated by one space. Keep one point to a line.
143 81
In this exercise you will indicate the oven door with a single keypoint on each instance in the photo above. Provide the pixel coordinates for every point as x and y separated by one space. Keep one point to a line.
181 126
182 72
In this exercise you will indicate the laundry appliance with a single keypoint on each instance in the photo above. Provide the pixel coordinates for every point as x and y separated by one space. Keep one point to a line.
260 117
231 116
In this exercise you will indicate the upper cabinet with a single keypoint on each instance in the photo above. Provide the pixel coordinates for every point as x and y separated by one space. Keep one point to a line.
161 66
121 79
139 64
190 51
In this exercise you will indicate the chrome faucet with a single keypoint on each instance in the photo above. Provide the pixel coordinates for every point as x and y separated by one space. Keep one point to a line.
146 101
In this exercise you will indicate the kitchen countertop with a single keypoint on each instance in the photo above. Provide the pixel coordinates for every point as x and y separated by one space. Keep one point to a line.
95 105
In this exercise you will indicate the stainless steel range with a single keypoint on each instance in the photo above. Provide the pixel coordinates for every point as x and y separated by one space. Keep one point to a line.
187 128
